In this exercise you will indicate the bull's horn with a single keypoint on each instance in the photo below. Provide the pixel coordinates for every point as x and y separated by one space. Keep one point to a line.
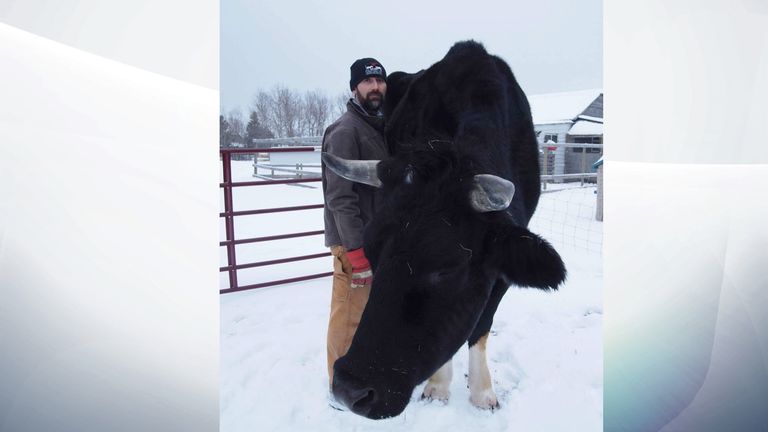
491 193
360 171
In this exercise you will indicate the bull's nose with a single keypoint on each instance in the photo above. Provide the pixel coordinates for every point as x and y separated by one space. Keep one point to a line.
360 401
357 398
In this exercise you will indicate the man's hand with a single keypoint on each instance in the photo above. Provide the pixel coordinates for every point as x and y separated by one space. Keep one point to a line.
361 268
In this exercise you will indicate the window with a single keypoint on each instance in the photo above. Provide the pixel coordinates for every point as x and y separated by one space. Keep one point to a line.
550 137
588 140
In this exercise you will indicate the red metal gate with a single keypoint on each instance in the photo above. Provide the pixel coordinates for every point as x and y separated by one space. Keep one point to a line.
229 216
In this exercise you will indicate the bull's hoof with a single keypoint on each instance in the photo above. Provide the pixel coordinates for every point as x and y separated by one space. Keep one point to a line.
436 392
485 400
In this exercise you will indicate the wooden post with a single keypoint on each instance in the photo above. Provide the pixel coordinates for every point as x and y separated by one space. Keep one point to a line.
546 167
599 206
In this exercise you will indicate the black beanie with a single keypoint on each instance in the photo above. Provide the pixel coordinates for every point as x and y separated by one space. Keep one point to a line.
363 68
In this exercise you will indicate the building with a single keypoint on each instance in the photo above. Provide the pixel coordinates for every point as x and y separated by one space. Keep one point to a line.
574 117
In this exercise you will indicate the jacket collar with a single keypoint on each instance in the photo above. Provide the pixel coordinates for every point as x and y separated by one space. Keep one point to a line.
376 121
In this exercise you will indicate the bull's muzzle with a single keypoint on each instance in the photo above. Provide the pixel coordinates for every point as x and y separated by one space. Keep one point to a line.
356 397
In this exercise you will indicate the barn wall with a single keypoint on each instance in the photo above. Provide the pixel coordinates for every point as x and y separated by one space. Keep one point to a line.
560 129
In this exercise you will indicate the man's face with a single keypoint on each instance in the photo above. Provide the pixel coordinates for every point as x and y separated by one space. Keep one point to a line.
370 93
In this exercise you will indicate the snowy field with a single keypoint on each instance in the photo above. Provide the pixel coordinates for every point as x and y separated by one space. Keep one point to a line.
544 352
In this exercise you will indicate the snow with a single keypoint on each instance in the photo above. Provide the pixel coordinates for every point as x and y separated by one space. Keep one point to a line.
560 107
581 128
544 352
590 118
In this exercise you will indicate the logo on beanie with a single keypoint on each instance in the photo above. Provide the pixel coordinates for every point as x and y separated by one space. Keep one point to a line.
365 68
373 69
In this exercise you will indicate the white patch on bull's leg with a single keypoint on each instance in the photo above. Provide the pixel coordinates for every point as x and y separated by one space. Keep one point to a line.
438 385
481 392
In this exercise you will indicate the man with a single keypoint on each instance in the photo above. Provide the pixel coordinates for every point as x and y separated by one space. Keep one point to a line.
358 134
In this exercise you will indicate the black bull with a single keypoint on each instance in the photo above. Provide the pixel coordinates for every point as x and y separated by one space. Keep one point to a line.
450 233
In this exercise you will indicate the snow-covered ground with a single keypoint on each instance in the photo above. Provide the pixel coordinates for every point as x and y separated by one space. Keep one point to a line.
544 352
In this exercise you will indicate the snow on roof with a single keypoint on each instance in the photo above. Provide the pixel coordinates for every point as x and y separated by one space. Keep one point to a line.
561 107
590 118
582 127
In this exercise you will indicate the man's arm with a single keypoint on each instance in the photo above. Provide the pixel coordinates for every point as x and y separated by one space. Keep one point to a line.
340 195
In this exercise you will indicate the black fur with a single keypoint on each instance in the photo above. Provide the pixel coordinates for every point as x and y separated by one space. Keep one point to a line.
441 268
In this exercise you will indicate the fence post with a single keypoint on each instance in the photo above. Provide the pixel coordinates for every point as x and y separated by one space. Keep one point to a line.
583 164
599 206
229 219
546 167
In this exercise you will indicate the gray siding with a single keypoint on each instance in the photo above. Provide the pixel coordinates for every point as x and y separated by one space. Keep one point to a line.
595 109
580 162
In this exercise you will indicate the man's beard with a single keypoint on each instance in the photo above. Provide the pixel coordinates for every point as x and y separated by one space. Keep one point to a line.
372 105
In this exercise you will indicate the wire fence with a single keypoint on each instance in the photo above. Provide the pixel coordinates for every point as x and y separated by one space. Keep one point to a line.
566 216
569 212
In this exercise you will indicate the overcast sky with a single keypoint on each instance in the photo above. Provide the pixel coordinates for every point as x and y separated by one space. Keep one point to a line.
551 45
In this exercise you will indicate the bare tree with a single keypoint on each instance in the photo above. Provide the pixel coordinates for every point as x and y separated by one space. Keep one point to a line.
263 105
303 120
287 113
223 132
340 104
279 109
317 112
236 125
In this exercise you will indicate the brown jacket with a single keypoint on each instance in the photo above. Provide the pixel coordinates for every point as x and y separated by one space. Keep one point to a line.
349 206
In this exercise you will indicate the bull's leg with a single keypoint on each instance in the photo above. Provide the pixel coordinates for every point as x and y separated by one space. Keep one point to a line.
438 385
481 392
480 387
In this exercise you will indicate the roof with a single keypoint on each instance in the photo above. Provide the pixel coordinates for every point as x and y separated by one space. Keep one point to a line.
590 118
583 127
561 107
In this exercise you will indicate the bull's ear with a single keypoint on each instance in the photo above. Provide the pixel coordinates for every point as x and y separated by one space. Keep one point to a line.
526 259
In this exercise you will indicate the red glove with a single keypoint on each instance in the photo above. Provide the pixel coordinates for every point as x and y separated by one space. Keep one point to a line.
361 268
